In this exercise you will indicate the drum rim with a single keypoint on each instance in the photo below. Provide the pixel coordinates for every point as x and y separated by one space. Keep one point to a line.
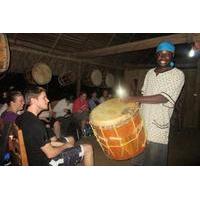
115 122
6 63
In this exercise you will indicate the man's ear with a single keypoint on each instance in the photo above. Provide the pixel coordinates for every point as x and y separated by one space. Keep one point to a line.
32 100
12 102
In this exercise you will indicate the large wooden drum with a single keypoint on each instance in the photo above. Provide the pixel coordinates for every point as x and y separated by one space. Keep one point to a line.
4 54
109 80
93 78
118 128
40 74
67 78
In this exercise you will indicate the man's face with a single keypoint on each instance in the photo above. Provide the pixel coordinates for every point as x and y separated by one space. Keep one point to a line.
94 94
164 58
42 101
105 93
19 103
84 96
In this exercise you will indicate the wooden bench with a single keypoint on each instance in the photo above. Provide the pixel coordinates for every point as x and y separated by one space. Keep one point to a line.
17 146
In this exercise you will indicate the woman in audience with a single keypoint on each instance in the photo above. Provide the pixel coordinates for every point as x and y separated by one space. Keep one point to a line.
15 101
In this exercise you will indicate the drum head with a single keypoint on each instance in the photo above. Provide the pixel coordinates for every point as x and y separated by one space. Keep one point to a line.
96 77
41 73
110 81
4 53
112 112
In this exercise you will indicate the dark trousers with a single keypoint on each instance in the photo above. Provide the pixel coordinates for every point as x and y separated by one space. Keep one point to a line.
155 154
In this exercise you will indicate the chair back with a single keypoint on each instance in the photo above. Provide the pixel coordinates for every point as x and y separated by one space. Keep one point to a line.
17 146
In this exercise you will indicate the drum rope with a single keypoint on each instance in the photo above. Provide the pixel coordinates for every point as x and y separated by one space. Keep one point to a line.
120 141
122 144
108 147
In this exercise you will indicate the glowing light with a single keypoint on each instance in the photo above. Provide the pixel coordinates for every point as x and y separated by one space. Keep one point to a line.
121 92
191 53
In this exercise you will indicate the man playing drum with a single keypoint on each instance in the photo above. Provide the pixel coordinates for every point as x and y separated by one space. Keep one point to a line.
161 89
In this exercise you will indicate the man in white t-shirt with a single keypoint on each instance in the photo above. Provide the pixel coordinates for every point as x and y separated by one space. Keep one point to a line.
161 89
62 107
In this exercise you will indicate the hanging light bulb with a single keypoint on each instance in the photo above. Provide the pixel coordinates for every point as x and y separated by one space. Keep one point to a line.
191 53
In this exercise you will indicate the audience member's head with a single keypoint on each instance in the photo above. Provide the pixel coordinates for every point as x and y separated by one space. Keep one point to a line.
36 93
94 94
83 95
15 99
105 93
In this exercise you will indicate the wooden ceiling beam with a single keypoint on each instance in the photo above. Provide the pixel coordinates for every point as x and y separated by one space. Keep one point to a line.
138 45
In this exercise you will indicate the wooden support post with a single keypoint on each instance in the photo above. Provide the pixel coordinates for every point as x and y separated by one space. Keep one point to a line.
197 97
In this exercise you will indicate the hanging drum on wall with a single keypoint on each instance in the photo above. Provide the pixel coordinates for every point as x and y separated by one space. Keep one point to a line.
109 80
4 55
40 74
93 78
67 78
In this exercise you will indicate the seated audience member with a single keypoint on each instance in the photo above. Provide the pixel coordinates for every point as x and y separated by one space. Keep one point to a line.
4 105
15 102
93 101
104 96
63 114
80 110
40 149
3 108
110 96
62 108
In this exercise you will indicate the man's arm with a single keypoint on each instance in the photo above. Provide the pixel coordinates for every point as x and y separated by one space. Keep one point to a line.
51 151
153 99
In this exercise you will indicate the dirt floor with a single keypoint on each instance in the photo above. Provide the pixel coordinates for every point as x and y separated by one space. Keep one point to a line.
184 150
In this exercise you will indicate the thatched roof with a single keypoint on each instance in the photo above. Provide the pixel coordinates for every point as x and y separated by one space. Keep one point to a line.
63 51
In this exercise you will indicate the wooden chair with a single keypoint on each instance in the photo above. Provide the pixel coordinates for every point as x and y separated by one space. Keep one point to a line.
17 146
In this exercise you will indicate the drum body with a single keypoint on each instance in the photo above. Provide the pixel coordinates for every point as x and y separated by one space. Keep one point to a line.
4 54
109 80
40 74
93 78
67 78
119 129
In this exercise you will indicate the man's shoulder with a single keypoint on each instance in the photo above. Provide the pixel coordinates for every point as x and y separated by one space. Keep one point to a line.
25 116
178 71
150 70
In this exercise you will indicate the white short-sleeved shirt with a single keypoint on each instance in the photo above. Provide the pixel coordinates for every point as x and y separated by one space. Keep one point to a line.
157 116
